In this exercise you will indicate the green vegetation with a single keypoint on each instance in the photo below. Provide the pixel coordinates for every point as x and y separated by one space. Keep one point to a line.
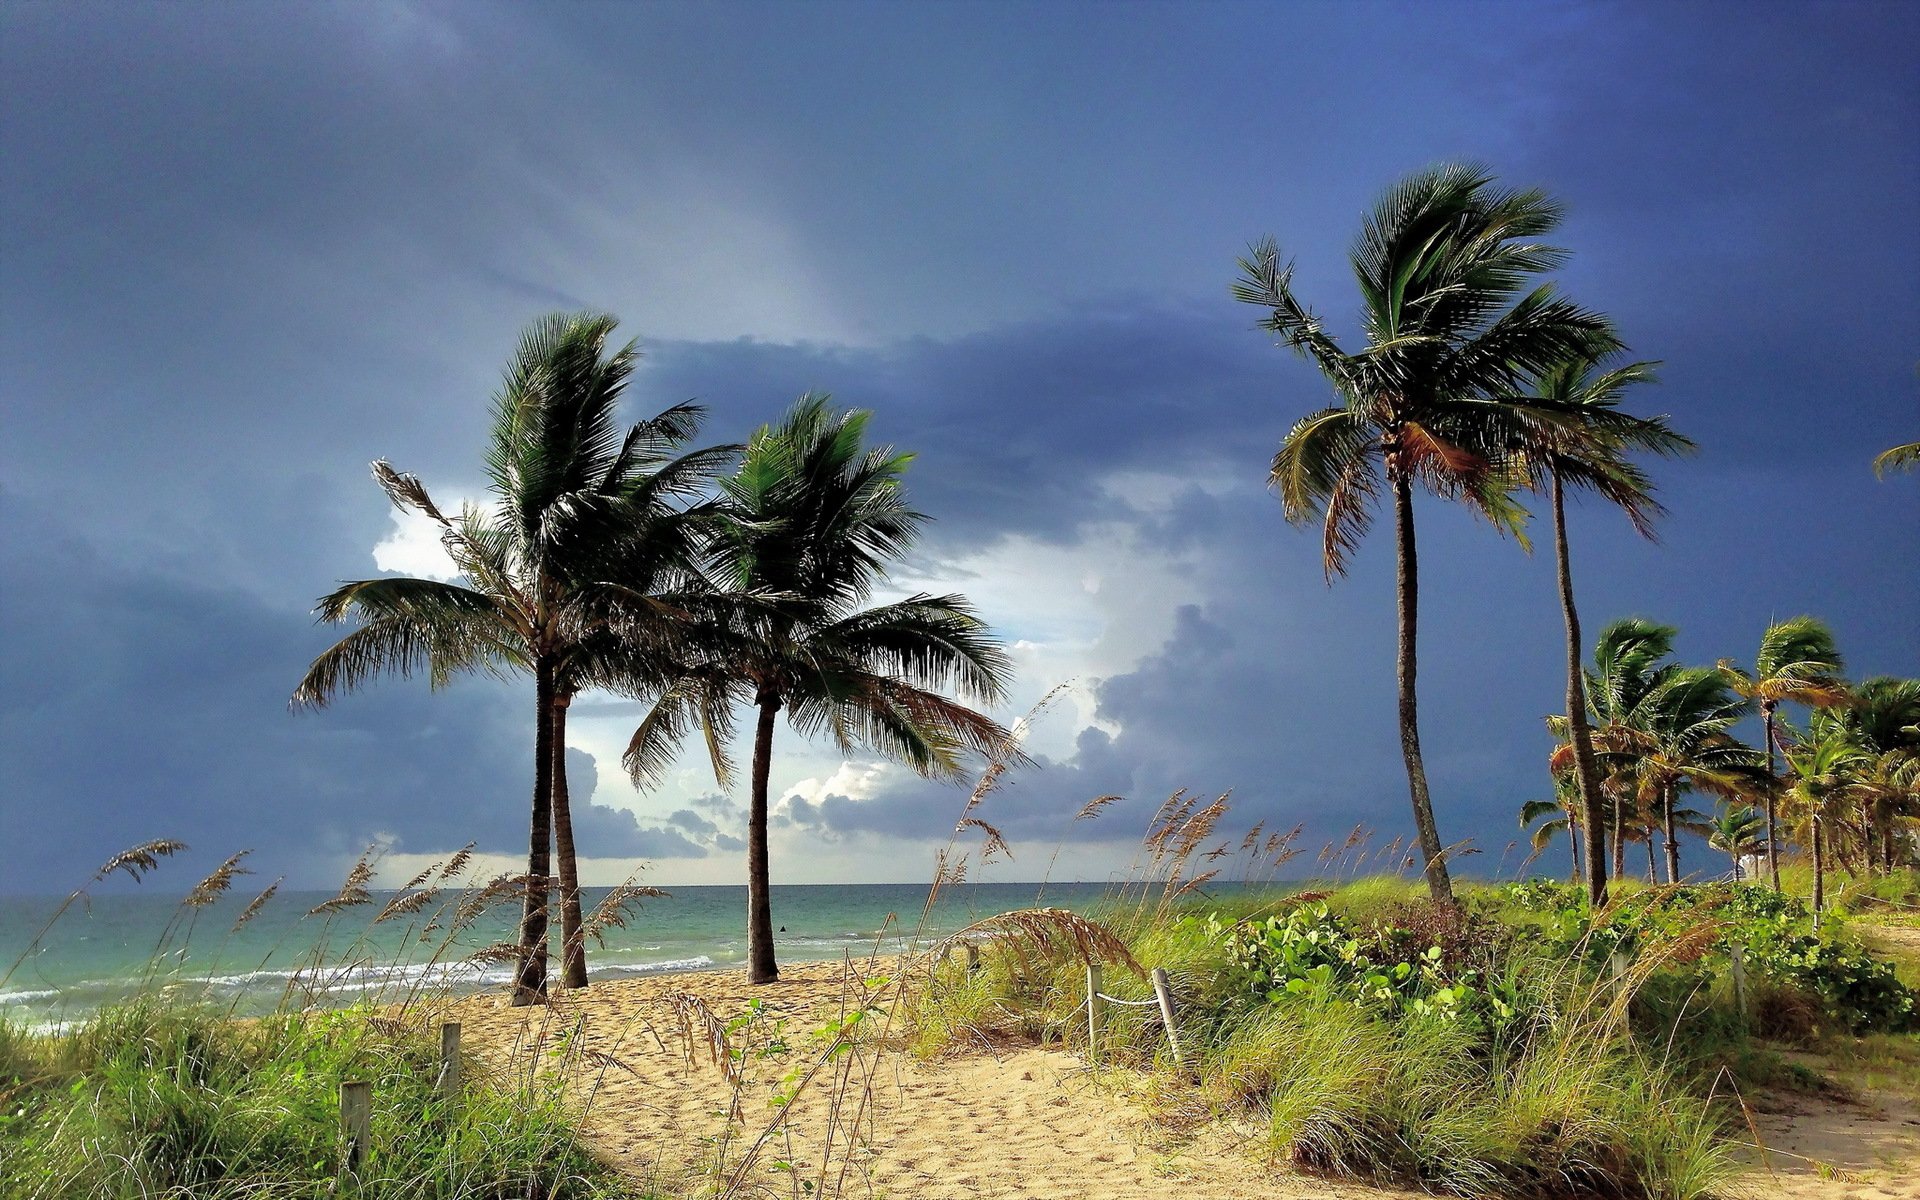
159 1098
1515 1044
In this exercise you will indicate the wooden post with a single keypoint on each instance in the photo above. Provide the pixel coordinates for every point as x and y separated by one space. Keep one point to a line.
356 1116
1618 962
1165 993
448 1084
1093 1014
973 957
1737 957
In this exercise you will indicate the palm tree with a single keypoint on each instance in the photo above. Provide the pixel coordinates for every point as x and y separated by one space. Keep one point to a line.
813 517
1899 458
1442 265
1689 746
1797 661
586 526
1548 819
1882 719
1821 769
1577 437
1738 832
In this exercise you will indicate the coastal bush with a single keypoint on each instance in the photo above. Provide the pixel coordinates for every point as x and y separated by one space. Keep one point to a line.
156 1098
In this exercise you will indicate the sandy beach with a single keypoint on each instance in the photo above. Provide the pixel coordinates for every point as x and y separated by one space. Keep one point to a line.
992 1122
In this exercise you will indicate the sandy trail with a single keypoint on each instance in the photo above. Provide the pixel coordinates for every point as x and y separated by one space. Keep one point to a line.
1026 1123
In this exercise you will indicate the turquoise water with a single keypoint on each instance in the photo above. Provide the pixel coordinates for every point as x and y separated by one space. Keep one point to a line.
104 951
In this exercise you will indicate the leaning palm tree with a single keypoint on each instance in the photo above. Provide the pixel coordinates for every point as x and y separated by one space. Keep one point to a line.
588 524
1545 820
1443 263
1798 661
1576 437
1738 831
813 518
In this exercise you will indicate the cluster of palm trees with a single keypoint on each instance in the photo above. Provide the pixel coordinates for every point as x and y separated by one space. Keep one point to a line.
1844 784
1480 383
694 579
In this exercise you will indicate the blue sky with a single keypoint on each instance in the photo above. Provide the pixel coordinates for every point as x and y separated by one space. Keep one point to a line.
246 249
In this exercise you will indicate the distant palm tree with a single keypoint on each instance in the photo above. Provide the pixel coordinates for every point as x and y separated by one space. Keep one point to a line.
1577 437
1798 661
1739 833
814 517
1882 719
587 526
1547 819
1689 746
1899 458
1443 263
1820 771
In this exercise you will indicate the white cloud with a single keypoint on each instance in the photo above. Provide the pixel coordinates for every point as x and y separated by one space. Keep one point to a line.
413 548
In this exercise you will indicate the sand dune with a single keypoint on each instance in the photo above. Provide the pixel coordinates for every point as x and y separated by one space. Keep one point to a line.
1025 1123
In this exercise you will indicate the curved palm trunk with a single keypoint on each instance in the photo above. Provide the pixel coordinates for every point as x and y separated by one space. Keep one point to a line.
1592 801
531 985
1672 840
1773 786
1407 581
573 953
760 965
1653 863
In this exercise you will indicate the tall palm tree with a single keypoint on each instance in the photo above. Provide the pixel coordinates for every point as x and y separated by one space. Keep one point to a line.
1798 661
588 526
1576 437
813 518
1443 263
1738 832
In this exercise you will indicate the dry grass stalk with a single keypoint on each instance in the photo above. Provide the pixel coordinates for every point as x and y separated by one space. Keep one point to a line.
996 843
407 904
138 860
252 910
1054 931
1253 836
215 885
1091 808
1218 852
457 863
498 952
419 879
498 890
353 890
612 912
701 1026
1193 884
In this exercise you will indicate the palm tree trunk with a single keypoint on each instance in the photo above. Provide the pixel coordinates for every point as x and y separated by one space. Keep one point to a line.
760 965
1673 841
531 985
1653 868
1619 840
1819 866
1407 578
573 942
1773 786
1588 770
1573 844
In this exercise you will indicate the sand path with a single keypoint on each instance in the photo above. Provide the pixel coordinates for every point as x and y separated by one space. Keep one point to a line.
1026 1123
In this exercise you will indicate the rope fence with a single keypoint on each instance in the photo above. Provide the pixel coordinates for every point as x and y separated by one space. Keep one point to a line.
1162 998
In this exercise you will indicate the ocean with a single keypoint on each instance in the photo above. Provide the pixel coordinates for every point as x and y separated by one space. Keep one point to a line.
107 949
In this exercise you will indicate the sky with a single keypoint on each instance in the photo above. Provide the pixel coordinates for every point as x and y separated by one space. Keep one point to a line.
247 249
